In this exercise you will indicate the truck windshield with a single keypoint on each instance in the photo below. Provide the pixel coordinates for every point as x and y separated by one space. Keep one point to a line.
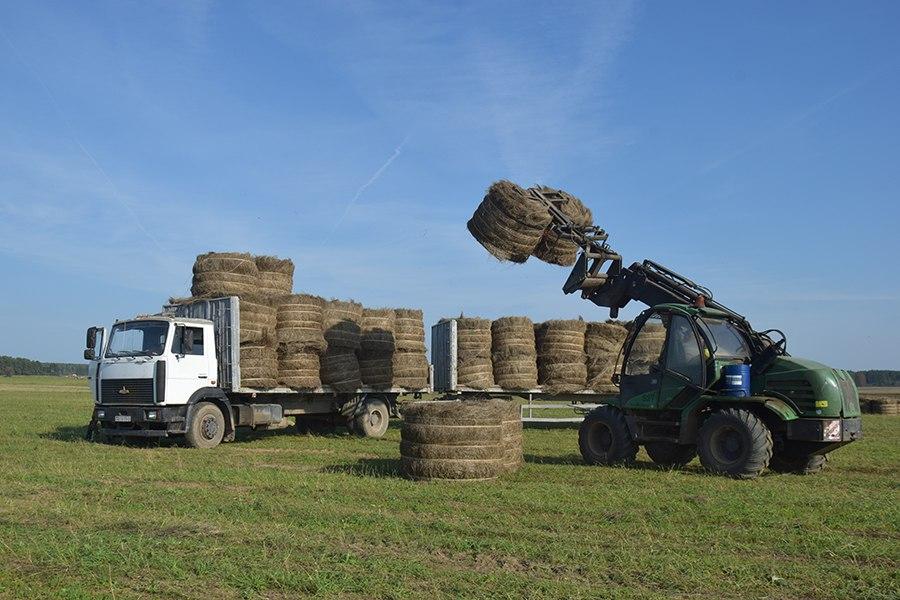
727 341
138 338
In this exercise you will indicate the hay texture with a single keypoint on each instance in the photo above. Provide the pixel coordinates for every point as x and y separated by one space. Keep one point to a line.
343 321
512 440
299 369
378 331
473 353
602 344
300 323
259 366
452 440
881 406
509 223
377 371
562 364
409 330
340 370
513 353
410 370
553 248
224 274
258 317
276 275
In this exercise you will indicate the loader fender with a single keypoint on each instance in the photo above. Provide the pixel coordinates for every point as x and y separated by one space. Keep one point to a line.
220 399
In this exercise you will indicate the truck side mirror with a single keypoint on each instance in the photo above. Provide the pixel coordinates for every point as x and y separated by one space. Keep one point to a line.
89 354
187 340
91 338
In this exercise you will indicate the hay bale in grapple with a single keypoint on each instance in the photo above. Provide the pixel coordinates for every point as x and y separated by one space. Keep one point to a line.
224 274
509 223
342 324
300 322
410 370
554 248
378 331
562 364
409 330
452 440
259 366
473 353
513 353
602 343
276 275
340 370
299 369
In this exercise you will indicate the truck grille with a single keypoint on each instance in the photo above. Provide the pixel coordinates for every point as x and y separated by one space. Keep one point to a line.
799 391
126 391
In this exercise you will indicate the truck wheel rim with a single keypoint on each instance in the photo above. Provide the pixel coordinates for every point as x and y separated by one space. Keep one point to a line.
375 418
727 445
209 428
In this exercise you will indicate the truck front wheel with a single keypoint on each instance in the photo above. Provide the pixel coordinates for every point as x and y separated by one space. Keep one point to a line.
207 426
373 421
735 442
604 439
786 460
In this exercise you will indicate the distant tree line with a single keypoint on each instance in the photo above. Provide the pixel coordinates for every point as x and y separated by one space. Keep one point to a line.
11 365
877 378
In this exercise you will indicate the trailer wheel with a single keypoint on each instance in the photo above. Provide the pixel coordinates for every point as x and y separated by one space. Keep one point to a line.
670 454
604 438
735 442
373 421
787 461
207 426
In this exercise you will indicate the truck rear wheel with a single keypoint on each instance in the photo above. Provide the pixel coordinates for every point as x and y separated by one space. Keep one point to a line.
604 439
787 461
373 421
735 442
670 454
207 426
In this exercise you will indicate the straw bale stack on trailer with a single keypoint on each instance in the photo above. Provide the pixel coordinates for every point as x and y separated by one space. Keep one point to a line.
562 364
553 248
376 354
473 353
259 365
340 365
452 440
602 343
513 353
276 275
301 341
409 364
509 223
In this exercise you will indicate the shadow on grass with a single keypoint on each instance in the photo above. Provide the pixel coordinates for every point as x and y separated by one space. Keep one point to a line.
368 467
65 433
71 433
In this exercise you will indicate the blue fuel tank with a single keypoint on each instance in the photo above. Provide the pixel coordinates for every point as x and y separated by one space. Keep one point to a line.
736 380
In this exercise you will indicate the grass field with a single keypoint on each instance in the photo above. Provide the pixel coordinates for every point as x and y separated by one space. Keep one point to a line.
278 515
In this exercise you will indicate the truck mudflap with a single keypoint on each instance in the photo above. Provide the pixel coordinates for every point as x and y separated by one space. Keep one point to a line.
824 430
140 421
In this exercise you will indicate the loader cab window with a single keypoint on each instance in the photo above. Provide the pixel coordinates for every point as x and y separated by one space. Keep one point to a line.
178 341
645 357
683 354
727 342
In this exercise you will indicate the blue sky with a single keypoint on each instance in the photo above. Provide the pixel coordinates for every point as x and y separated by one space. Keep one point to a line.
753 147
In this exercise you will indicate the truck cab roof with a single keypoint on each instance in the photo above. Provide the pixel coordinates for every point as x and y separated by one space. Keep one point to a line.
167 318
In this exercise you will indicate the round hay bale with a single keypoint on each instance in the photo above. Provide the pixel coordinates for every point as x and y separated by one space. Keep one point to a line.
513 353
883 406
340 370
300 322
299 370
602 345
414 450
259 366
258 382
509 223
377 371
562 364
513 437
225 262
212 284
454 412
437 469
378 330
409 330
410 370
276 275
554 248
273 264
342 321
473 353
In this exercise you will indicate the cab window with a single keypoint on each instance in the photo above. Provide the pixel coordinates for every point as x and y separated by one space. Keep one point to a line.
646 352
726 340
683 354
178 341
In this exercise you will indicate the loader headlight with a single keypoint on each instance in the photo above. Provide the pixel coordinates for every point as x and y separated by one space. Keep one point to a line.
831 430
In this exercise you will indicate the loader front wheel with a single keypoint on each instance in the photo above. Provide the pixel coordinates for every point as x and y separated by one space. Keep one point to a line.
604 438
736 443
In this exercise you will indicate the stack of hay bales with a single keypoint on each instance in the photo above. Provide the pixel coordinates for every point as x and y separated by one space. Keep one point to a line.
562 364
276 275
880 405
259 365
514 353
508 223
602 343
376 354
224 274
340 366
473 353
409 363
554 248
300 340
456 440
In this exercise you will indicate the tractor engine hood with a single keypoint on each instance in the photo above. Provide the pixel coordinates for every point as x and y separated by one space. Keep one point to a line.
814 389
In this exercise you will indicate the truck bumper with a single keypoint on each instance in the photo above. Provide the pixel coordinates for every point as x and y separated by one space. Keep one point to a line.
832 431
140 421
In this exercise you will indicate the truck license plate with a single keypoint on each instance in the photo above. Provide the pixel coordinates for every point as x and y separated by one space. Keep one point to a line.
123 418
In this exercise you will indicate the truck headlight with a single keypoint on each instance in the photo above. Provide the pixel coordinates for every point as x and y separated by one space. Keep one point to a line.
151 415
831 430
101 414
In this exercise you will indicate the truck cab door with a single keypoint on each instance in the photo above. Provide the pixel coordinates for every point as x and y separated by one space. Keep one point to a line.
95 346
187 370
644 364
685 364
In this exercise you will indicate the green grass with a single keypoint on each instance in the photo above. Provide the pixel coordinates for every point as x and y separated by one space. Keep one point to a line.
278 515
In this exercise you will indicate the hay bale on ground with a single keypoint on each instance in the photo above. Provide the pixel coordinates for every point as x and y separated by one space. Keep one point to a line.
509 223
513 442
340 370
410 370
276 275
883 406
553 248
452 440
513 353
602 344
473 353
409 330
299 369
378 330
300 322
342 320
562 364
259 366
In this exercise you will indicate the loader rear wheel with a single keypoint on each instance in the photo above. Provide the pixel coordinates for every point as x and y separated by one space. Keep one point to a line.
207 426
373 421
786 461
604 439
735 442
670 454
